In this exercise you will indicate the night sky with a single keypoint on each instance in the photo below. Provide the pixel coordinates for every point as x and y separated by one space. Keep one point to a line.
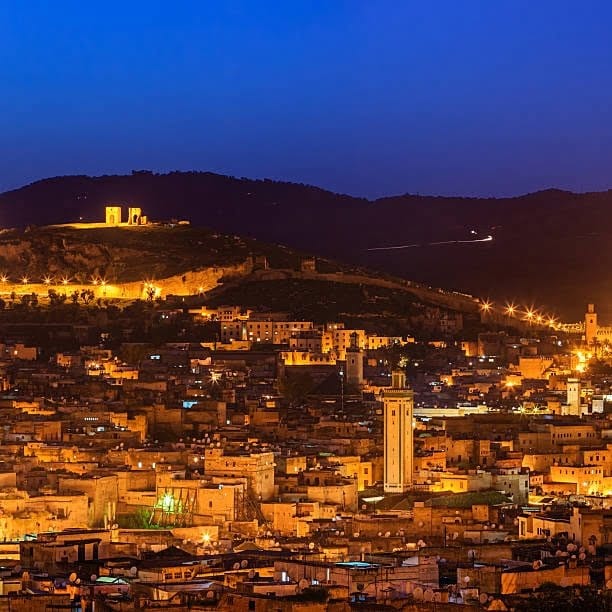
370 98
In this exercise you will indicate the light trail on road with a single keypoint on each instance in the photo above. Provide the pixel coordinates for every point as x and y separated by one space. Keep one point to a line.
489 238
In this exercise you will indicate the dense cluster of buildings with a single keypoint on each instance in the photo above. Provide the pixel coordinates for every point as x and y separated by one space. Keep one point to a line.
294 465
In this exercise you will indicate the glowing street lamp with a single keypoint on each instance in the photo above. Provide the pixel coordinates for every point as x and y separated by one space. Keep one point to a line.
485 306
25 280
65 280
510 310
47 280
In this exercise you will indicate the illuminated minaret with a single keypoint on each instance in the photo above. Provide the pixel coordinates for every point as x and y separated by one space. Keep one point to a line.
573 396
590 324
354 363
398 408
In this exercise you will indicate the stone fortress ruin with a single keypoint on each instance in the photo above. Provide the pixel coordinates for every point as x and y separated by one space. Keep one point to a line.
114 216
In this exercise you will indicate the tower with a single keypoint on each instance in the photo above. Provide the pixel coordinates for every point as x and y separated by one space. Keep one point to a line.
354 363
398 408
134 216
590 324
573 396
113 215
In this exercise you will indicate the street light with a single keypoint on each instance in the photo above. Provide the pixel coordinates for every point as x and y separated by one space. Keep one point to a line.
486 306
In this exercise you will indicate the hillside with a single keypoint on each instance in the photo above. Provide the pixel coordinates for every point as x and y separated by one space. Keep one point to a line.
202 266
549 247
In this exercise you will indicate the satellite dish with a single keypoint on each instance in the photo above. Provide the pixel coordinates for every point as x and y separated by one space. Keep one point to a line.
303 584
77 581
428 595
133 570
311 545
582 556
236 566
418 594
483 598
210 594
251 574
244 563
93 578
72 577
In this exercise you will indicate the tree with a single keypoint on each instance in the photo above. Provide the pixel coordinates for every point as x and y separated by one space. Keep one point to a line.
295 387
87 295
74 296
150 292
56 298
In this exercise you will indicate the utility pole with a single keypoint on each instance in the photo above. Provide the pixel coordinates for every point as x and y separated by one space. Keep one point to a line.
341 389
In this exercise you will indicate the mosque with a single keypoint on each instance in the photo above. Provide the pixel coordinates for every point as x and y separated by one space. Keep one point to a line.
593 332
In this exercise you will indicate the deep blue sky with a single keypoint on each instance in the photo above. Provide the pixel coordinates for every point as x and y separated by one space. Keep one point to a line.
366 97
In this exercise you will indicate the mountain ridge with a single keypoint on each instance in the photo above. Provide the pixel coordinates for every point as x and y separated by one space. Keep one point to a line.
549 247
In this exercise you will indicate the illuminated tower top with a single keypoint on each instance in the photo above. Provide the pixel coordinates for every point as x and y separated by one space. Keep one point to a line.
590 324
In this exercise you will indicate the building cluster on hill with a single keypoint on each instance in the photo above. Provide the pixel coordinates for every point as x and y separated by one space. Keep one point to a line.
289 465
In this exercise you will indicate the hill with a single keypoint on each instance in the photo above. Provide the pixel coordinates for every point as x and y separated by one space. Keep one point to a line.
203 266
548 247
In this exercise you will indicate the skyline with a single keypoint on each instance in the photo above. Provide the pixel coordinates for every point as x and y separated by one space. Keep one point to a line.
369 99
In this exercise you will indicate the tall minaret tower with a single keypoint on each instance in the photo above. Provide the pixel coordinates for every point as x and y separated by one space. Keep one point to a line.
398 408
354 363
590 324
